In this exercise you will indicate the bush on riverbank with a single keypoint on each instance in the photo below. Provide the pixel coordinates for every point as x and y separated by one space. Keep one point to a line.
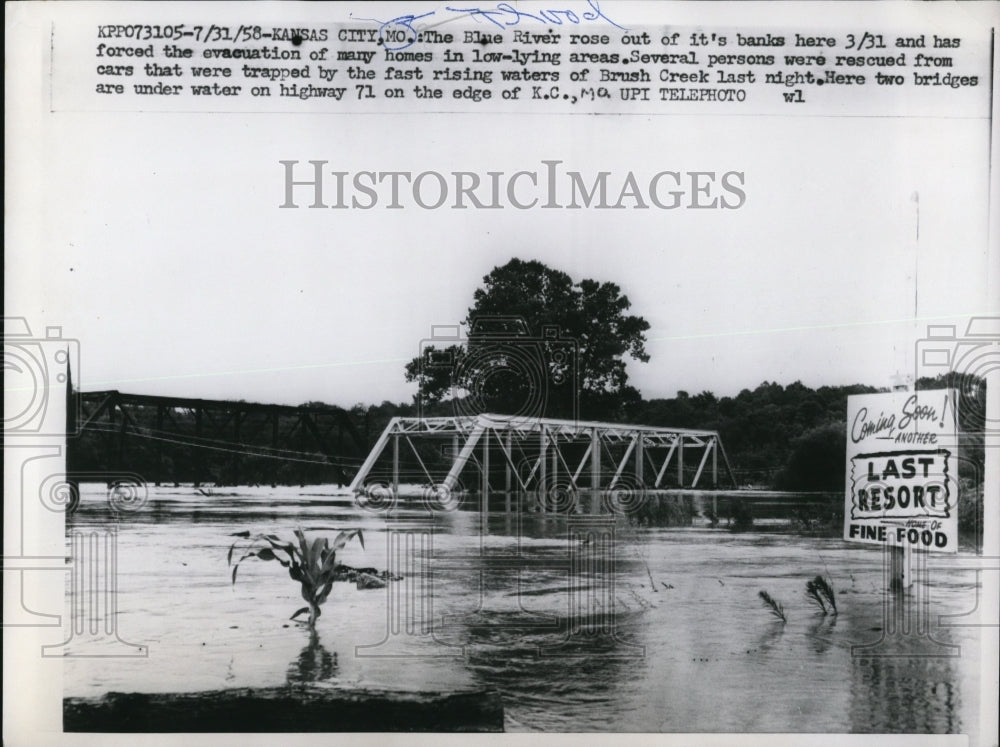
740 516
970 513
819 520
816 461
664 511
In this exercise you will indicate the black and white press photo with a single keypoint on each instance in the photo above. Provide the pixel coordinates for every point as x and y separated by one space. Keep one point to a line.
390 370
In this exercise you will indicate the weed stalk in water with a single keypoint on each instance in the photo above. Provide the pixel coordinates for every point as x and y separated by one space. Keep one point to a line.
815 595
772 605
825 590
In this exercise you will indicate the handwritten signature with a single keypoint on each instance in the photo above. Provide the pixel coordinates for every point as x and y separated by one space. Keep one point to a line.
399 33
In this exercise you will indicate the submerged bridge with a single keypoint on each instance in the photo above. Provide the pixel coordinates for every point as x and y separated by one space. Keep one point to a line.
168 439
179 438
554 458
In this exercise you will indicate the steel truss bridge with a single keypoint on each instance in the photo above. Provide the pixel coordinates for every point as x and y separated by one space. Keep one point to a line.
538 455
202 432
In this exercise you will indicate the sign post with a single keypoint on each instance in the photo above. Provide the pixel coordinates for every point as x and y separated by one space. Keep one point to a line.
902 474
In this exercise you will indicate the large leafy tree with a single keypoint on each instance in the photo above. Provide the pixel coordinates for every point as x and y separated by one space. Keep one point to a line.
538 343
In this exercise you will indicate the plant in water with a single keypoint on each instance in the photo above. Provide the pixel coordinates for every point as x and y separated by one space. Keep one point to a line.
820 591
813 592
740 517
312 564
773 605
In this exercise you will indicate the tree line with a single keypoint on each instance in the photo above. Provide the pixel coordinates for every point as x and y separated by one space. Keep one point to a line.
540 343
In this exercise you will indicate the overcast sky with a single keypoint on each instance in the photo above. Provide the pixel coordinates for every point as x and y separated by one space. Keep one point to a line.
162 249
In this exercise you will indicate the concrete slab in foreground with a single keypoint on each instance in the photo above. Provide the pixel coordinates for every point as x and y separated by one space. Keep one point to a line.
286 709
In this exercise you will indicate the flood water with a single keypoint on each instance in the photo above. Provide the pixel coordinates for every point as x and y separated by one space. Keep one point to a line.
583 623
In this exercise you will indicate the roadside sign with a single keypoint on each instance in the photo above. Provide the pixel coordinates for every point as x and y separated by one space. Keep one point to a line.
902 470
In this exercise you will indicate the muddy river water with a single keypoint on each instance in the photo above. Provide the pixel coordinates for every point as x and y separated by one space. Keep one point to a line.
583 623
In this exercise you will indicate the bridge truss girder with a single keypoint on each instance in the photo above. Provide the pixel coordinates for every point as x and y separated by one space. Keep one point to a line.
233 429
535 454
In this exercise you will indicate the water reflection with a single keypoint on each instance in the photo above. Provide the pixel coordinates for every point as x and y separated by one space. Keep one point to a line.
821 632
587 678
548 631
905 694
314 663
770 638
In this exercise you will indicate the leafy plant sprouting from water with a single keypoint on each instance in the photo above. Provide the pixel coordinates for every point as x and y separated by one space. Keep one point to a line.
312 564
820 592
773 605
813 592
